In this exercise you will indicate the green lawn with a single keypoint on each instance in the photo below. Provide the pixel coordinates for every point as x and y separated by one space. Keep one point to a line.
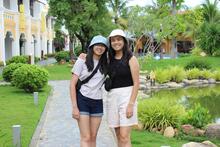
147 139
154 64
59 72
17 108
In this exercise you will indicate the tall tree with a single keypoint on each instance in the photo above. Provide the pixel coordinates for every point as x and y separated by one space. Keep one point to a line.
119 12
210 11
82 18
174 6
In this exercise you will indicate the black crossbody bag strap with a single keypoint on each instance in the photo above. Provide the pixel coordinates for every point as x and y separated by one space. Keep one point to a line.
92 74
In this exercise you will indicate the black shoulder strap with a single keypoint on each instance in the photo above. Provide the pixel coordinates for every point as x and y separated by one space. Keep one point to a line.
92 74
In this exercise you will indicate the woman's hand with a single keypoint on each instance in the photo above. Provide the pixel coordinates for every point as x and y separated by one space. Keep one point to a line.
129 110
82 56
75 113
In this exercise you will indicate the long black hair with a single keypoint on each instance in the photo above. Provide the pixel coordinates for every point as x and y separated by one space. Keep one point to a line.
103 60
127 54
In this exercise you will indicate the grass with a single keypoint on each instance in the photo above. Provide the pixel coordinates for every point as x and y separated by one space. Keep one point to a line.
59 72
149 139
17 108
154 64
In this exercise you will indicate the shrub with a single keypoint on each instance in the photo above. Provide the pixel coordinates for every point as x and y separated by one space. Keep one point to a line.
196 51
193 74
198 116
50 55
1 63
206 74
62 55
18 59
77 50
208 37
216 75
177 74
8 71
159 114
36 59
198 63
183 55
30 78
162 76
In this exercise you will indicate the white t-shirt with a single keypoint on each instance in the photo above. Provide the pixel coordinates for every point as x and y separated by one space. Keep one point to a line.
92 88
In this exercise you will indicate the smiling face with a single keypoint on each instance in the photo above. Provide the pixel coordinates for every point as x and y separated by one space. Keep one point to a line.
117 42
99 49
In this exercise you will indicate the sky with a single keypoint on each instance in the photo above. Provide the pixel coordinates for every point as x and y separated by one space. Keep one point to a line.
189 3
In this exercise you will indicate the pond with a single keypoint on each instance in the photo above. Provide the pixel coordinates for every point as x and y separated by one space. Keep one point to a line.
207 96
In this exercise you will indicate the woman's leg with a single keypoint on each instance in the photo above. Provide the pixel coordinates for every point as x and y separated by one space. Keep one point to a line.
94 126
84 127
117 133
124 136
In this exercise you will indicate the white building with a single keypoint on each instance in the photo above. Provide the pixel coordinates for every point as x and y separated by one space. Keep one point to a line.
25 28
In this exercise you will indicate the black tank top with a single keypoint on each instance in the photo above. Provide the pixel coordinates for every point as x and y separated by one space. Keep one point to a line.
120 74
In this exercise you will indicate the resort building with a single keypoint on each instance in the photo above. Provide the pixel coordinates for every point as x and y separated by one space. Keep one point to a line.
25 28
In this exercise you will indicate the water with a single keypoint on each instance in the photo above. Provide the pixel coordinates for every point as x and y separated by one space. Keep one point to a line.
208 97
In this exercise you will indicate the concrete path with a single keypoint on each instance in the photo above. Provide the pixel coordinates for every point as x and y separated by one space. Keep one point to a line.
57 128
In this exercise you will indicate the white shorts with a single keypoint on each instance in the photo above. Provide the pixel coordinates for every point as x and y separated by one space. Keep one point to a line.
117 101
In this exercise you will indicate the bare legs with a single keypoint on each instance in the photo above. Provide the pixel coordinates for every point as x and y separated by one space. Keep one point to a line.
88 130
123 136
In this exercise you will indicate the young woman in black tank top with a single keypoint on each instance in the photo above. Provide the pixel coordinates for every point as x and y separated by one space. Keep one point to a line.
124 73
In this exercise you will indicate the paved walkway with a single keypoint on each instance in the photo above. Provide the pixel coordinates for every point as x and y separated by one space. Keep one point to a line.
58 129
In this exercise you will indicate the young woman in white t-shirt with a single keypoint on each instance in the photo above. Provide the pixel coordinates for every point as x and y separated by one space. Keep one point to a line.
87 105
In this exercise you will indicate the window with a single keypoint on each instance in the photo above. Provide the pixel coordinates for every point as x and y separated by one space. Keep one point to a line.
6 4
32 8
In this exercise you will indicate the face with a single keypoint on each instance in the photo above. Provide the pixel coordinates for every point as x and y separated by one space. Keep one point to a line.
117 42
99 49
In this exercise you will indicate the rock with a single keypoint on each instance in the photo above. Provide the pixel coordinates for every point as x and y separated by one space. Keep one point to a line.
211 81
187 129
142 81
209 143
139 126
191 82
142 87
169 132
198 132
194 144
154 130
205 82
213 131
142 95
174 85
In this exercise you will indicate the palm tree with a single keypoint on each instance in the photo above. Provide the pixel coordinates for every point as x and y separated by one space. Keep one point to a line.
211 11
118 7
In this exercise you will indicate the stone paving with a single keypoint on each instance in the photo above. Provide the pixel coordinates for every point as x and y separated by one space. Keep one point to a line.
57 128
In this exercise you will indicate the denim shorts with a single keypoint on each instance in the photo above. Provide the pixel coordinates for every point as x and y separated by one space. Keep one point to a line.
88 106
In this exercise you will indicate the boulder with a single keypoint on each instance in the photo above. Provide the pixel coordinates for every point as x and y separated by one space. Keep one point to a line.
142 87
169 132
174 85
198 132
211 81
209 143
213 131
187 129
194 144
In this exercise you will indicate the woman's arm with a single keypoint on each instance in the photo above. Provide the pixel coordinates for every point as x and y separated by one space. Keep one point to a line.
134 67
75 110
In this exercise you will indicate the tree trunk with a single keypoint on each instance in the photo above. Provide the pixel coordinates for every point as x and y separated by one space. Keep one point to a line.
71 47
174 46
